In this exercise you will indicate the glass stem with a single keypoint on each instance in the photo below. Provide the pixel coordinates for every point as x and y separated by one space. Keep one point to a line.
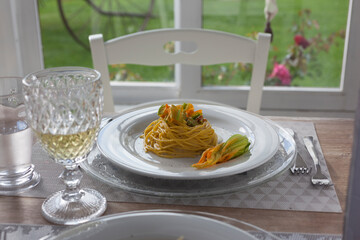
71 176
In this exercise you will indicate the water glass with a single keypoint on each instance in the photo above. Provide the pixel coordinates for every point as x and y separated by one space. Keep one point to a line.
16 140
64 108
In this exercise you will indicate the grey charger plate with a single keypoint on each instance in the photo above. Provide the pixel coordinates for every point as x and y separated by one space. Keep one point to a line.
101 168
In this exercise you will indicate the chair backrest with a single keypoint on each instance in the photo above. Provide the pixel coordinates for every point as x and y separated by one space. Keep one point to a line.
212 47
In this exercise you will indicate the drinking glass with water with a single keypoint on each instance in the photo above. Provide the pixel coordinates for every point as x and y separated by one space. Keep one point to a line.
16 140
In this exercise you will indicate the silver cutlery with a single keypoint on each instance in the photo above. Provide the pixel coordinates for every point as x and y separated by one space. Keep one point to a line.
300 165
319 178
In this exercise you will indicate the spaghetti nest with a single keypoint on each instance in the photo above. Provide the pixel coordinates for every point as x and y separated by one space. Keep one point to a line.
179 132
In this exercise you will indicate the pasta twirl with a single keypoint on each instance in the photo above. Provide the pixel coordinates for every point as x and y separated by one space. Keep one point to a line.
179 132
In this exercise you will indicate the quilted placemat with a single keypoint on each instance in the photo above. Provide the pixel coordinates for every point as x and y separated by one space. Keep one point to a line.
285 192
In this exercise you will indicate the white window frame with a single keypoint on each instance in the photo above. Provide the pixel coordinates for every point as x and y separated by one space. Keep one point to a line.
289 100
20 39
22 49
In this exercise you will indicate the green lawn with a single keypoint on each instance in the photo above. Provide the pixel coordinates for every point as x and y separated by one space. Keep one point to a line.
237 16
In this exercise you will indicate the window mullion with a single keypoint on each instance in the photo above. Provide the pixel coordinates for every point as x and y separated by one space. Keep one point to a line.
20 41
188 14
351 71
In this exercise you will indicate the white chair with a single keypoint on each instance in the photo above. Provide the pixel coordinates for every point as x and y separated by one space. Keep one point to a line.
213 47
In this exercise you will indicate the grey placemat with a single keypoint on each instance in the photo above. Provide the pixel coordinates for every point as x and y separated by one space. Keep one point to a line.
30 232
286 192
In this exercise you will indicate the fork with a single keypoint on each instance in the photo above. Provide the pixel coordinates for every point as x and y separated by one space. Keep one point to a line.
319 178
299 166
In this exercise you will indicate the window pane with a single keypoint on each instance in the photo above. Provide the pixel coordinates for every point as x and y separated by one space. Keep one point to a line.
307 47
138 73
231 74
66 25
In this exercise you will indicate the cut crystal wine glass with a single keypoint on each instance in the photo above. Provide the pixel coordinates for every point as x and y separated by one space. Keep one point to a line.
64 108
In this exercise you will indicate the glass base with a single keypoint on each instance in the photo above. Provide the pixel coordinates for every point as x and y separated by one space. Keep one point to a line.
16 182
57 210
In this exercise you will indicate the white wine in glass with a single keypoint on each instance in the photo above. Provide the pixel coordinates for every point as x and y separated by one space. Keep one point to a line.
64 108
68 146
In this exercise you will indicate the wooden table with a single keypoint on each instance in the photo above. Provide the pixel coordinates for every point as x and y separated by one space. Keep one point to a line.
336 139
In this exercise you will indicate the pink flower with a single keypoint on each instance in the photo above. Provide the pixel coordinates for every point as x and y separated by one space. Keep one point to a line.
281 72
301 41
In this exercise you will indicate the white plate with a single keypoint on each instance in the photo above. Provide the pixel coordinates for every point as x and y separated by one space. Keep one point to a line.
120 142
99 167
164 225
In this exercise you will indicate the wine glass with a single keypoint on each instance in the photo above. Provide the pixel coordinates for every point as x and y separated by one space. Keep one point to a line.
64 108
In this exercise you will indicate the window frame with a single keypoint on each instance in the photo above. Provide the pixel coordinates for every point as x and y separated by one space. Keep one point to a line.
342 99
24 52
20 41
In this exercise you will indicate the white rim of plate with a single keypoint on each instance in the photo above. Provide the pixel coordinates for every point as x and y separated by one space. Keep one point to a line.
203 220
125 159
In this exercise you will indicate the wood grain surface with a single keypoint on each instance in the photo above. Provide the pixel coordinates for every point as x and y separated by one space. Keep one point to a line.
336 139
